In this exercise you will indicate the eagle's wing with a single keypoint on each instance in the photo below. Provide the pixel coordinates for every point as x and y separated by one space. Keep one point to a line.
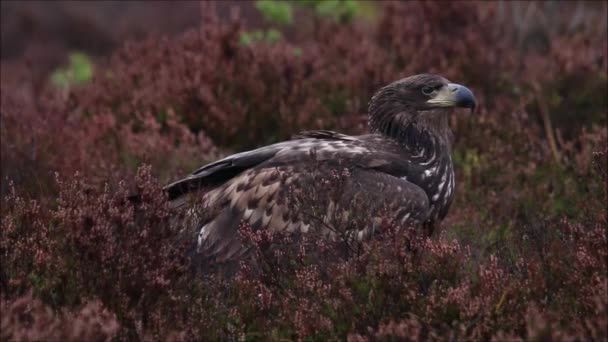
324 134
220 171
256 187
269 199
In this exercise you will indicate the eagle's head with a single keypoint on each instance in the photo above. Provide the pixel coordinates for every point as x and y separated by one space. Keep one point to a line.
422 99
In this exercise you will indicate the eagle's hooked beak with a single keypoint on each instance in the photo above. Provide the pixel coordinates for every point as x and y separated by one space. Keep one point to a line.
454 95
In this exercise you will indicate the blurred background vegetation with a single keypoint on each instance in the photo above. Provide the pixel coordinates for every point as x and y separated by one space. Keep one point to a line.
98 89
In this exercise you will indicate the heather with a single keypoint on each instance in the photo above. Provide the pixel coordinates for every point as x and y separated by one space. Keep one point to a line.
521 256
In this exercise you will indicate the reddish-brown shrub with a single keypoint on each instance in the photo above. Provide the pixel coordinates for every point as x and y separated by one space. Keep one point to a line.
522 254
27 319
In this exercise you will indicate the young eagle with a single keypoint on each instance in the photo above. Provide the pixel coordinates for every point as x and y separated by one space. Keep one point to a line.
404 166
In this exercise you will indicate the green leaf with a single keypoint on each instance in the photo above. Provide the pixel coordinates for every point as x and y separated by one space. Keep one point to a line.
328 8
280 12
249 38
81 67
270 36
59 78
79 71
273 36
246 39
340 10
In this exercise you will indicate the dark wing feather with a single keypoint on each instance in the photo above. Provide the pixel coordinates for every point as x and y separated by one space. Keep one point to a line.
218 172
324 134
367 152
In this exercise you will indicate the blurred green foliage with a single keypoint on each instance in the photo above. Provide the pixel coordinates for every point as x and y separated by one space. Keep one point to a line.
514 202
79 71
270 36
276 12
340 10
280 12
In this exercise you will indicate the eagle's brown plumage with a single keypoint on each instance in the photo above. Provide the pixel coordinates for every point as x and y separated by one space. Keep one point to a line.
403 169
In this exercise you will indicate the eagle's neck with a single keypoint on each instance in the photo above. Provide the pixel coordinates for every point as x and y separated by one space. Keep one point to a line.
425 139
413 130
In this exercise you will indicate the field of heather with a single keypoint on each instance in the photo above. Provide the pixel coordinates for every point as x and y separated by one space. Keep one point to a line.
103 100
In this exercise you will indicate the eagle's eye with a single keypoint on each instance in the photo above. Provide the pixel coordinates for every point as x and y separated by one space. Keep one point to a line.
428 91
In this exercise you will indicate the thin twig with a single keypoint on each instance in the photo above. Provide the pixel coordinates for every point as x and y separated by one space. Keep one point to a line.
544 113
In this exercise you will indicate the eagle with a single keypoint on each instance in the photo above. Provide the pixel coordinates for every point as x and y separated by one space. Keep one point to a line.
401 171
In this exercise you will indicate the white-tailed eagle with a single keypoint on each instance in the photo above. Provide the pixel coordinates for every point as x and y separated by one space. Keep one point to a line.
403 166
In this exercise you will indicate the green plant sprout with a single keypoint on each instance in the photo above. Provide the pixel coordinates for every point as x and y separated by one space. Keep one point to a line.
79 71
